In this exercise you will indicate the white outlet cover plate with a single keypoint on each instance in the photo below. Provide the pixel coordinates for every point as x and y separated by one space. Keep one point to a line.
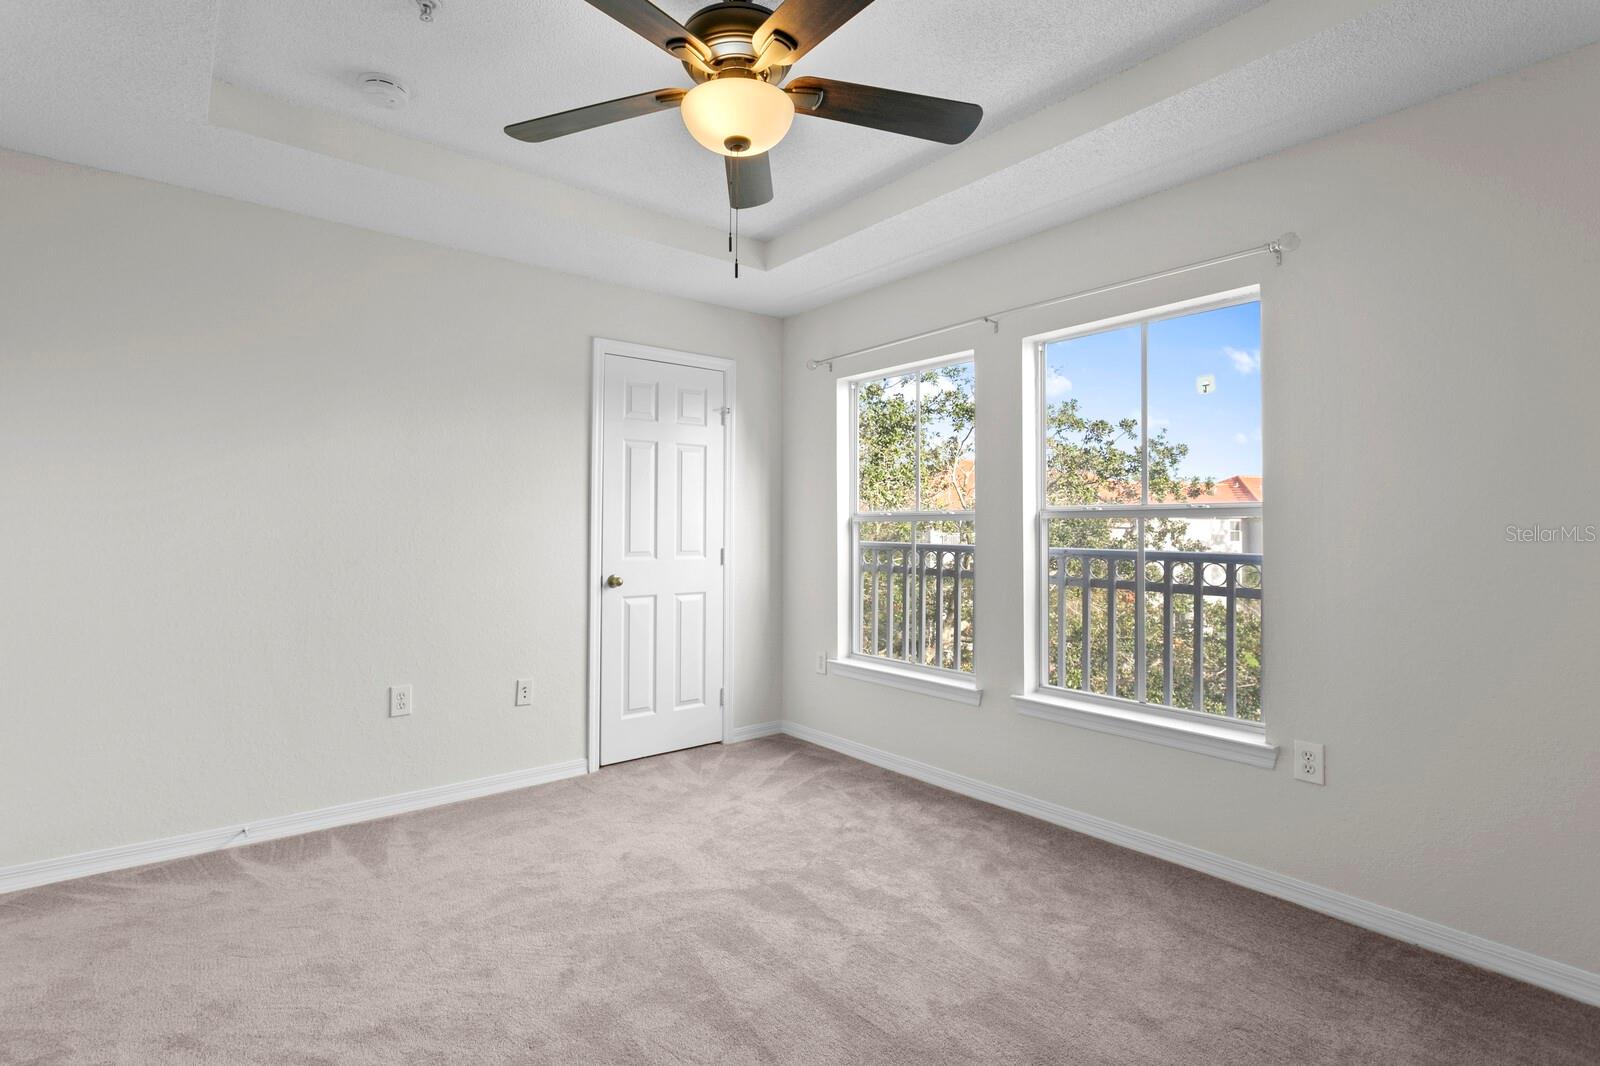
1308 762
524 692
399 701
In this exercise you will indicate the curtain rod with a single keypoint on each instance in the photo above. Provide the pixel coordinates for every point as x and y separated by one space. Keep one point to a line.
1276 247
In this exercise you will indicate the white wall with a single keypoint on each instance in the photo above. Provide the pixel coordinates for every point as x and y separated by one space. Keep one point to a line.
1430 375
254 468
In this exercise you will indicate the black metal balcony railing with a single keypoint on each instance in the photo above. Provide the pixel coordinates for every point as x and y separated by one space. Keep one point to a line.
917 603
1091 592
1195 646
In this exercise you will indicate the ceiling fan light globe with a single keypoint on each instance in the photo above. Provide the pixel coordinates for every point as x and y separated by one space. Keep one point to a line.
727 113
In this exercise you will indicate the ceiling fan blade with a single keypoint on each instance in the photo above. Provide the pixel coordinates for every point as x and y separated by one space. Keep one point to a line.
801 25
749 180
930 117
657 27
550 127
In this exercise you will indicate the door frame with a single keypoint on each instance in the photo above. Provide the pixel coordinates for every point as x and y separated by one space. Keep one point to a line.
729 371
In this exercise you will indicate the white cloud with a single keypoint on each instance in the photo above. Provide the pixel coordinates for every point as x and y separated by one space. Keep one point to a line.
1244 362
1241 438
1056 384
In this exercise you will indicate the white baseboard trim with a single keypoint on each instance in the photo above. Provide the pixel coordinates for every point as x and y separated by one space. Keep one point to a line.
105 860
754 732
1558 977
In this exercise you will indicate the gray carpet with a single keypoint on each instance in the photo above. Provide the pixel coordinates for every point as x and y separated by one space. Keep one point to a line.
770 902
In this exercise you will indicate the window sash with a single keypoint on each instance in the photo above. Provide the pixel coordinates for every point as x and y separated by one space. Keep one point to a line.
917 370
911 517
1144 321
1139 512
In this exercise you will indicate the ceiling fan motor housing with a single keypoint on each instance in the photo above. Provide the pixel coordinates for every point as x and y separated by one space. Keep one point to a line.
729 30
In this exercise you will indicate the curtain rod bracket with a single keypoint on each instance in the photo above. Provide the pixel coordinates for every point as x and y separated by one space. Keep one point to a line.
1287 243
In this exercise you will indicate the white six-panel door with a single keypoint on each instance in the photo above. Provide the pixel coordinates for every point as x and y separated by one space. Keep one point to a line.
661 552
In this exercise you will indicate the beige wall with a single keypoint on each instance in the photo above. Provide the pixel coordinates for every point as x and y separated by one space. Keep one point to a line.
254 468
1430 373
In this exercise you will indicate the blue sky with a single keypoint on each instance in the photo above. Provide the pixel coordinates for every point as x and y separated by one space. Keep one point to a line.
1221 427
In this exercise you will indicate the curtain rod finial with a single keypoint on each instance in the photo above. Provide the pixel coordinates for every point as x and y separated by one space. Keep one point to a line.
1286 243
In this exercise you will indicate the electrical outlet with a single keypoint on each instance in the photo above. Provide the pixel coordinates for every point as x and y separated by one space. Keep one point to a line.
399 701
822 664
1308 762
524 692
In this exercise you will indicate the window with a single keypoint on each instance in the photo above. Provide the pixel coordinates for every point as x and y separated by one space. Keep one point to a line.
1150 521
913 555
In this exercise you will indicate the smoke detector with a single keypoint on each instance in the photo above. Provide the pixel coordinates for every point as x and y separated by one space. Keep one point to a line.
384 90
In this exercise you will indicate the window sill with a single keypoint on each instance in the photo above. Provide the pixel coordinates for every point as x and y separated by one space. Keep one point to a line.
925 683
1222 741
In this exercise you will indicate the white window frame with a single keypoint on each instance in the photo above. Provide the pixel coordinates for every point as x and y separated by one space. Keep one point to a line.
850 660
1211 734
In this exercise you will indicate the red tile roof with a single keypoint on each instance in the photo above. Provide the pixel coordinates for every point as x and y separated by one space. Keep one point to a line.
1241 488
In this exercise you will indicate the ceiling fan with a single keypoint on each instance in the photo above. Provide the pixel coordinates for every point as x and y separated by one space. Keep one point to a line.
738 54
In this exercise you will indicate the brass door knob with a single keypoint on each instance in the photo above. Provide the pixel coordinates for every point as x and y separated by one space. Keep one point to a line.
614 582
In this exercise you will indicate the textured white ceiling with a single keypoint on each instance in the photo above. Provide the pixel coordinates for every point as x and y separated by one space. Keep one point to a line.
483 65
1070 127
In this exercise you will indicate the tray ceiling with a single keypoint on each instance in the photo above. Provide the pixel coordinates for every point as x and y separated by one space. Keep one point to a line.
481 66
1086 105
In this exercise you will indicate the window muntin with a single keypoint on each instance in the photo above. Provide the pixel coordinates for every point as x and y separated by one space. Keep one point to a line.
913 551
1152 495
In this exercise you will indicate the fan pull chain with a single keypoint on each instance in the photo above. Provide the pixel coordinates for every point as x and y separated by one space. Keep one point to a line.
733 212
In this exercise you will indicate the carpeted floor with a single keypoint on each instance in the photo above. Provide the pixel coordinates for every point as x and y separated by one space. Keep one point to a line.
770 902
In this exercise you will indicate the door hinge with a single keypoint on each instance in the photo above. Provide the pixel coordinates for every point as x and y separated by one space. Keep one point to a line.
725 412
722 556
722 697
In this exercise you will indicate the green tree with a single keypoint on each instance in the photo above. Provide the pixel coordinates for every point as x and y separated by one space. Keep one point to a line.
886 433
1092 460
937 408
